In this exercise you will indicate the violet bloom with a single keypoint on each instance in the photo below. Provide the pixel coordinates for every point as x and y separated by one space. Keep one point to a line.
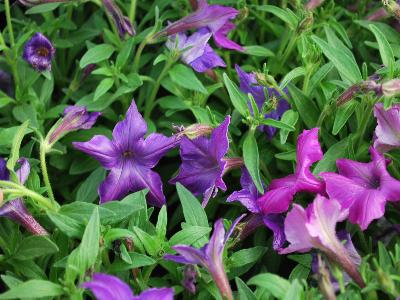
281 191
248 198
249 85
130 158
203 162
196 51
210 256
215 18
122 23
363 188
39 52
387 132
315 227
15 209
108 287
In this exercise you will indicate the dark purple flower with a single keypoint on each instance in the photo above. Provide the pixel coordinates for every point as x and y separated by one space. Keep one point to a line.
363 188
108 287
209 256
15 209
281 191
196 51
130 158
387 132
189 279
39 52
249 85
215 18
248 198
75 118
123 24
204 164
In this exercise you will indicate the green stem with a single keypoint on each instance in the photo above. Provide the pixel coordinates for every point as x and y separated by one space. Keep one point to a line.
9 25
364 124
45 174
132 11
138 54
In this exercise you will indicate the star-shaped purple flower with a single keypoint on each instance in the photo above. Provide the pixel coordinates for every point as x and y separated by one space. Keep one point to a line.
281 191
210 256
196 51
215 18
249 85
363 188
108 287
387 132
130 158
39 52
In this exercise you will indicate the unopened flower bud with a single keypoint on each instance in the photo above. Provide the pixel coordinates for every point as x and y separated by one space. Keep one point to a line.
122 23
391 88
189 279
193 131
392 7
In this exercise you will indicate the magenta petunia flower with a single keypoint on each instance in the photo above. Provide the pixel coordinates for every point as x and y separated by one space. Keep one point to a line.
281 191
215 18
108 287
122 22
39 52
363 188
261 94
248 198
210 256
130 158
196 51
15 209
387 132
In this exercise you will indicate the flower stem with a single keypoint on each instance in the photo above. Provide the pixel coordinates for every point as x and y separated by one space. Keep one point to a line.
132 11
44 171
136 61
9 24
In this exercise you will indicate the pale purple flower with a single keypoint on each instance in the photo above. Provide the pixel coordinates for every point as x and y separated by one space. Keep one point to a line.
122 22
248 198
75 118
215 18
196 51
15 209
108 287
281 191
210 256
39 52
363 188
130 158
261 94
387 132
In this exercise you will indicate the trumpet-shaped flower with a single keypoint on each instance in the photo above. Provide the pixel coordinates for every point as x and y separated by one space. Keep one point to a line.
39 52
363 188
122 22
108 287
387 132
210 256
281 191
130 158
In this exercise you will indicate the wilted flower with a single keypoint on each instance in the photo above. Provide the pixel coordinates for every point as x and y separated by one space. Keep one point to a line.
250 85
196 51
391 88
15 209
393 7
189 278
203 162
193 131
363 188
215 18
39 52
108 287
123 24
130 158
387 132
210 256
75 117
281 191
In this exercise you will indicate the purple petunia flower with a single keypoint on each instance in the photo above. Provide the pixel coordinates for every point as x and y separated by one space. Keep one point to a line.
215 18
130 158
281 191
249 85
39 52
122 22
15 209
75 117
196 51
248 198
108 287
203 162
387 132
209 256
363 188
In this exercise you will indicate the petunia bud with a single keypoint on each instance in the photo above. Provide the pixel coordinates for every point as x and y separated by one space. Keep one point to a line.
391 88
123 24
312 4
38 52
193 131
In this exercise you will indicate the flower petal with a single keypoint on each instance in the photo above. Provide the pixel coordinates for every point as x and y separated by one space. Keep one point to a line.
106 287
24 170
388 130
188 255
221 40
275 222
156 294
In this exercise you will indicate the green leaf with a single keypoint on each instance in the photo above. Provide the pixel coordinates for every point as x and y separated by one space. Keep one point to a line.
290 117
295 291
161 226
245 293
385 49
245 257
96 54
34 289
238 99
16 145
89 247
87 191
336 151
42 8
343 113
190 235
273 283
277 124
286 15
258 51
67 225
138 261
126 50
307 109
185 77
252 160
289 77
150 243
192 210
318 77
34 246
299 272
104 86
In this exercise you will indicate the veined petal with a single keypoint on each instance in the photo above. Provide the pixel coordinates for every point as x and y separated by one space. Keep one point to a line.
209 60
219 142
24 170
107 287
277 200
190 255
117 184
156 294
388 129
220 38
275 222
213 250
